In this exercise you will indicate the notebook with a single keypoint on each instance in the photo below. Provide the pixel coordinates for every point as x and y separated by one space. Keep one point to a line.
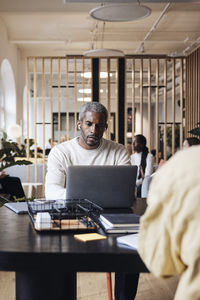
107 186
120 220
17 207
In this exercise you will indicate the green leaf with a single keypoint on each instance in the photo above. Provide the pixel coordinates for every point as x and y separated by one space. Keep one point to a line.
7 164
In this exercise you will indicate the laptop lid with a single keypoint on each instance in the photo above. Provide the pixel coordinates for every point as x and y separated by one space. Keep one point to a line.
107 186
17 207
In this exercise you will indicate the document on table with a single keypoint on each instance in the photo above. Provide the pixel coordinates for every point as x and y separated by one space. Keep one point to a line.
128 241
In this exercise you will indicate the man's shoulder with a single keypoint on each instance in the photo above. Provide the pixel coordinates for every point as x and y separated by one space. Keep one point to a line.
64 146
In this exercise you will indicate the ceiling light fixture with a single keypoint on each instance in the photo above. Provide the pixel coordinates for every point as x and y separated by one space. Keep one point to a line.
103 52
120 12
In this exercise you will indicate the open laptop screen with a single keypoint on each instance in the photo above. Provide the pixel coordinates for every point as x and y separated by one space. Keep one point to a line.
107 186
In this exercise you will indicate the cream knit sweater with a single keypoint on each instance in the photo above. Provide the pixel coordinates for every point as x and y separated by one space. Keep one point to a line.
71 153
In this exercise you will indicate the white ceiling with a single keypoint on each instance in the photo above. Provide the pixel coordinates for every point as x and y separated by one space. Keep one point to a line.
50 27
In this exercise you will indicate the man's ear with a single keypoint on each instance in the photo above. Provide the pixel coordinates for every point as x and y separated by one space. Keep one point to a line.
79 125
106 127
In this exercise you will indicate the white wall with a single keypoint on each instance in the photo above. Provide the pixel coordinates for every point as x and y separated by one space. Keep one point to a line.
10 52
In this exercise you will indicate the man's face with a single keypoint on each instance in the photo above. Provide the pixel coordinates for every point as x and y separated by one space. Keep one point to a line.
92 128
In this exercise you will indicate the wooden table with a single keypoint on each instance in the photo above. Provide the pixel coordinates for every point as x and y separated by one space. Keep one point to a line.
46 263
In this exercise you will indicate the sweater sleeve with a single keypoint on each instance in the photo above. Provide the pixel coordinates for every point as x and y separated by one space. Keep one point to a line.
124 157
149 165
56 176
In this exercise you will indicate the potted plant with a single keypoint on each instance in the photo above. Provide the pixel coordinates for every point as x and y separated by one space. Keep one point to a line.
9 151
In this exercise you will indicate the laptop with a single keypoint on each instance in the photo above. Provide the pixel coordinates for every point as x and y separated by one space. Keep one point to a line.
107 186
17 207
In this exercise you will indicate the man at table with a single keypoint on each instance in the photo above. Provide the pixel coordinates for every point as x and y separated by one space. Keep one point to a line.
90 148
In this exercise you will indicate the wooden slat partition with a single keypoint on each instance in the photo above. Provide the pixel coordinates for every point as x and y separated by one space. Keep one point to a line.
148 80
192 91
165 110
173 105
159 115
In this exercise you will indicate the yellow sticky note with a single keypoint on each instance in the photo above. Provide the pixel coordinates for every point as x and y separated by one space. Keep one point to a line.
89 237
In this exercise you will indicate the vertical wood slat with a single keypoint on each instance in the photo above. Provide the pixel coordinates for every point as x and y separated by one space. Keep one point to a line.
100 95
157 110
75 97
181 102
186 96
35 116
51 100
133 97
27 115
191 94
108 98
83 82
59 102
173 105
141 96
117 108
125 108
187 106
196 90
43 121
185 87
165 110
149 104
67 98
198 86
91 87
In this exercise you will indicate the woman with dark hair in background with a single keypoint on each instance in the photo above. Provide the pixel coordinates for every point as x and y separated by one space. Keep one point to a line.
143 159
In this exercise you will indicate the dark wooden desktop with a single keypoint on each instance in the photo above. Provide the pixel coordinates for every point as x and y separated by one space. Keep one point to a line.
46 263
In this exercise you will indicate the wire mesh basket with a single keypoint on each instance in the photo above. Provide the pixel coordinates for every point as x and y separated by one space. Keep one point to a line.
70 215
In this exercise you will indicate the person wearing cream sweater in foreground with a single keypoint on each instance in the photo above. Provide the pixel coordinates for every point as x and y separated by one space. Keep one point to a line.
169 238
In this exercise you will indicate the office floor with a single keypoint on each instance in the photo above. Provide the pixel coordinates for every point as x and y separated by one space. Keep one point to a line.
93 286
